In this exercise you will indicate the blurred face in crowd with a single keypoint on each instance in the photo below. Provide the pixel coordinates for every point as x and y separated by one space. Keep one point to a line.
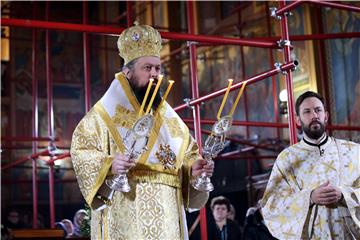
13 217
231 213
220 212
312 117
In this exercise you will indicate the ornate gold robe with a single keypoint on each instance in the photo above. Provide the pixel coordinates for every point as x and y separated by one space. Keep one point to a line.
154 208
297 171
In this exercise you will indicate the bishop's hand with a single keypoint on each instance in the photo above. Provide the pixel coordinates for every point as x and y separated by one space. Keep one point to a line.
121 164
202 166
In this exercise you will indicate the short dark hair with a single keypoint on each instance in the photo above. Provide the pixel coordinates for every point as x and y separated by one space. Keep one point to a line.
220 200
304 96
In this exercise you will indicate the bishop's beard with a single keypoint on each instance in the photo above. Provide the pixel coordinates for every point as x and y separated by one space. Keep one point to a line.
139 93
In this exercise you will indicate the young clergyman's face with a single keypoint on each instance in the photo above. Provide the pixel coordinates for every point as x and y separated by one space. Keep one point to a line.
144 69
312 117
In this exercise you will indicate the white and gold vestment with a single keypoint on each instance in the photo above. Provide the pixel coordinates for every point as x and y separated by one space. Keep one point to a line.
297 171
154 208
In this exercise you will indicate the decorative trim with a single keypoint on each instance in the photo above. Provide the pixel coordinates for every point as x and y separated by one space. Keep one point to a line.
128 91
111 127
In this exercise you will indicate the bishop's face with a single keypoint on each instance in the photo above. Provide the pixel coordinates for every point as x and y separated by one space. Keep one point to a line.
144 69
312 117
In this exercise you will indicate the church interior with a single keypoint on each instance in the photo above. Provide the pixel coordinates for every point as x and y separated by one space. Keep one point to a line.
59 57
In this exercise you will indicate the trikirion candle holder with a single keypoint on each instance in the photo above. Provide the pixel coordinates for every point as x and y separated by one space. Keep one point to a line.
215 142
137 138
135 142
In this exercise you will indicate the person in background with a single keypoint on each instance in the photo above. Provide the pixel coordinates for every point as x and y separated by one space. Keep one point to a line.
13 220
225 228
232 213
254 226
314 187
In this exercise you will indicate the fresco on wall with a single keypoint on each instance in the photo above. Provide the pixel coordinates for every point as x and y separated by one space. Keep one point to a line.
344 71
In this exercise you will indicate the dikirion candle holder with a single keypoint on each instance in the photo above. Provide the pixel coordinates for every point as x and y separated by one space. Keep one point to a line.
215 142
137 138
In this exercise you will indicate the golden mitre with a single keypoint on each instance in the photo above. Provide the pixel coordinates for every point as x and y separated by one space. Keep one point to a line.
139 41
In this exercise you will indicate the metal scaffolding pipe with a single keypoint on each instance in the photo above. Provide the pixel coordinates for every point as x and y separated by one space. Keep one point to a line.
324 36
294 38
12 22
129 16
293 5
218 40
15 181
288 7
35 122
196 109
51 196
237 140
288 76
243 71
341 127
24 159
306 37
323 72
285 67
273 79
242 123
50 114
27 139
271 124
335 5
86 52
59 157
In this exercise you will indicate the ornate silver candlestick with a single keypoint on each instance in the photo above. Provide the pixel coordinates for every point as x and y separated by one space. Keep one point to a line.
135 141
213 145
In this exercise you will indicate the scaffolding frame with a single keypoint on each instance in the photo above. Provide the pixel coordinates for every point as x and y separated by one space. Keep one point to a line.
194 40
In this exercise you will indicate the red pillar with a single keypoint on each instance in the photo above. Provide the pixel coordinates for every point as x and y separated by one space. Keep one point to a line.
50 119
196 108
288 77
35 123
129 16
86 52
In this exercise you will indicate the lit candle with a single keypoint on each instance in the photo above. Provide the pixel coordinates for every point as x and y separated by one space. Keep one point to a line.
237 99
154 94
171 82
151 80
224 99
